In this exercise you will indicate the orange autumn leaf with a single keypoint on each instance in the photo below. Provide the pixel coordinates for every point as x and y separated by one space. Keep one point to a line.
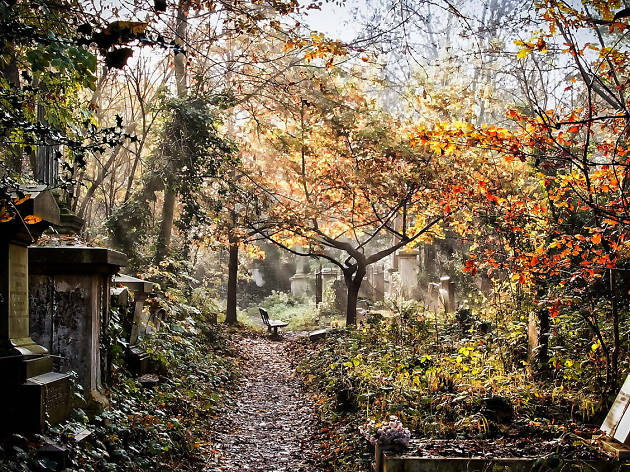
617 25
573 129
596 238
5 216
19 201
32 219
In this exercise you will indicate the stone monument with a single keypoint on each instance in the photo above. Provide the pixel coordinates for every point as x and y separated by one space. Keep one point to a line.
408 269
141 289
300 281
378 283
137 358
31 394
70 305
319 289
447 293
366 290
329 275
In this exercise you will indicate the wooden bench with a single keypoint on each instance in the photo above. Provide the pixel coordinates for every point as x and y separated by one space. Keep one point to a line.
275 324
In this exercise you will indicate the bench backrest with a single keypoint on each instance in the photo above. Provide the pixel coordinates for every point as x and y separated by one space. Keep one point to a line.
264 315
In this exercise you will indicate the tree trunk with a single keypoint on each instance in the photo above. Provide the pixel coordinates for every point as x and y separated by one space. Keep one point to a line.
353 284
10 72
614 361
166 226
230 312
170 193
543 348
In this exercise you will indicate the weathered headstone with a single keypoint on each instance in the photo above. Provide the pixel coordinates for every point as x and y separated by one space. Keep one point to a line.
329 275
30 393
137 358
378 284
141 289
408 270
70 300
434 302
341 295
120 297
447 293
258 276
617 422
300 281
366 290
319 288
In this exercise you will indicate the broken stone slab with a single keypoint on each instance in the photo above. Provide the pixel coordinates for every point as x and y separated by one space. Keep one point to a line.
319 334
52 456
120 296
148 380
618 450
79 433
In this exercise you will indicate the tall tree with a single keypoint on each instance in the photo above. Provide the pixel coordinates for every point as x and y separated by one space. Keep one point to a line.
341 181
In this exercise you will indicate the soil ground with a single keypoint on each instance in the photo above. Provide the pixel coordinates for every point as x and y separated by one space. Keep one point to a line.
267 422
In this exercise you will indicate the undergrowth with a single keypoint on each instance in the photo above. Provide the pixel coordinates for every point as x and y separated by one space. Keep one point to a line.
446 378
152 428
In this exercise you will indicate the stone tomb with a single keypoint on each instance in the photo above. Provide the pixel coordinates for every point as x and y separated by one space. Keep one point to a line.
70 300
30 393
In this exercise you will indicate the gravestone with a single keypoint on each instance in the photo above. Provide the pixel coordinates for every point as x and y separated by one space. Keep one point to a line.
447 293
30 393
433 301
141 289
136 357
378 284
319 289
617 422
366 290
341 295
258 276
329 275
299 281
70 302
408 269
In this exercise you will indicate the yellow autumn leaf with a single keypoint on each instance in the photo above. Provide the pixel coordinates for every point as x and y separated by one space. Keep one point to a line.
523 53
